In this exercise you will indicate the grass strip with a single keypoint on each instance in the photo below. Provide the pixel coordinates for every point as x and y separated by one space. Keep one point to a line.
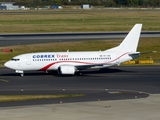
11 98
78 20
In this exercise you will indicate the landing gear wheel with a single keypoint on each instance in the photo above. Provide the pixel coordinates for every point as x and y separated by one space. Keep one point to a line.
79 73
22 74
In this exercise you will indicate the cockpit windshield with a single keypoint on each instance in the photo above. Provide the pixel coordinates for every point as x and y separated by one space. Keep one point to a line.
15 59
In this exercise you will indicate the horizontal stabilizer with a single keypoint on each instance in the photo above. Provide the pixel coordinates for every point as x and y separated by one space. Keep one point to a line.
138 53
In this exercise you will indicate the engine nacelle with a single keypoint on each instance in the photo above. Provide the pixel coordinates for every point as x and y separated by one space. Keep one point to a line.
67 70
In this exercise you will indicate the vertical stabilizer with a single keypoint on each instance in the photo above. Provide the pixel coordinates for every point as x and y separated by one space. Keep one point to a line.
130 42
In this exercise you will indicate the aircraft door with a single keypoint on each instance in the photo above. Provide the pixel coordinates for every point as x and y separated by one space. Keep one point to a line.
28 60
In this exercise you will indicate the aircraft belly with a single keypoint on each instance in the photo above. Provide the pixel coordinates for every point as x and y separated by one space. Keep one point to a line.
104 66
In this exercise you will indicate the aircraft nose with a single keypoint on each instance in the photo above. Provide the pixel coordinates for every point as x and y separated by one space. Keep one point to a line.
7 64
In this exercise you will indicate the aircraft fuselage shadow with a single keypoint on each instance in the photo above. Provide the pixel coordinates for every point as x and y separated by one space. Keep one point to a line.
85 72
107 70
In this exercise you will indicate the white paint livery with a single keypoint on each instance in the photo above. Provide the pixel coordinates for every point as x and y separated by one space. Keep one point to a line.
71 62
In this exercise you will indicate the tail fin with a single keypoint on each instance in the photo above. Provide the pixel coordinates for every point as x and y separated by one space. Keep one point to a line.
130 43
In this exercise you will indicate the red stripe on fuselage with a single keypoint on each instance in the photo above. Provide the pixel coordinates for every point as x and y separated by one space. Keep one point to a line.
49 65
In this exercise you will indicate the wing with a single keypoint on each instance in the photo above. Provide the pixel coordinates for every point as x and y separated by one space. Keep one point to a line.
83 67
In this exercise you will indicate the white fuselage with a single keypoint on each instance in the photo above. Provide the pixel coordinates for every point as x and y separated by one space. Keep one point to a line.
53 60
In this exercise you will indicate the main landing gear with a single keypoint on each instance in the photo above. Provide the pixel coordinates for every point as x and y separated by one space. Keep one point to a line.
79 73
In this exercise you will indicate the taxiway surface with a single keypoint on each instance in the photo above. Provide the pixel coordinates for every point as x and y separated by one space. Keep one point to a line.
125 92
114 83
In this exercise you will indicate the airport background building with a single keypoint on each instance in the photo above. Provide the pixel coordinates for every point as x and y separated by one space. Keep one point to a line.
8 6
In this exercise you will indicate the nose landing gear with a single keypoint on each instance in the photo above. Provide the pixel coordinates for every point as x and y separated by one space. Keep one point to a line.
21 72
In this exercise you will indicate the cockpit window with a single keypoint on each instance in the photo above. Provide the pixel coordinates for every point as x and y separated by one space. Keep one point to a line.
15 59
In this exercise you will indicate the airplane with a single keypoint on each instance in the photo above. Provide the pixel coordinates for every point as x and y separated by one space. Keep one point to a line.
69 63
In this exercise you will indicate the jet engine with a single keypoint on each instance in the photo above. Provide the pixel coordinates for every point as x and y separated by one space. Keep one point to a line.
67 70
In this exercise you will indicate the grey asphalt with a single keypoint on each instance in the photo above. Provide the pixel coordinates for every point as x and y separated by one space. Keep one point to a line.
133 109
127 81
124 92
16 39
